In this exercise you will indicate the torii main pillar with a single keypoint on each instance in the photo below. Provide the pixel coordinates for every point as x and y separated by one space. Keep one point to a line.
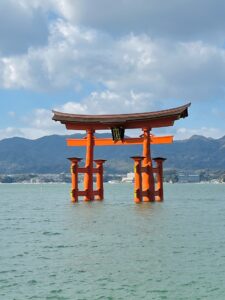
88 177
148 186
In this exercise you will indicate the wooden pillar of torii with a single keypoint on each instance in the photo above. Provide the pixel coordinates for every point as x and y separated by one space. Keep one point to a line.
88 176
148 187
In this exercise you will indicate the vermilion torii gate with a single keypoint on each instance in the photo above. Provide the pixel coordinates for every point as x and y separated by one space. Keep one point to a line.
147 188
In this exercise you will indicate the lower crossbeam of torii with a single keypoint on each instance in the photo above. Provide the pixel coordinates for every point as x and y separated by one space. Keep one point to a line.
147 187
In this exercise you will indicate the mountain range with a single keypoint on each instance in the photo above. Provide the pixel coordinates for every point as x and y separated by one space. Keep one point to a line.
48 154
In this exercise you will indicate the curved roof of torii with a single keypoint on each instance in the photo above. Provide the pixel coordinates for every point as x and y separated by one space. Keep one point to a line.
134 120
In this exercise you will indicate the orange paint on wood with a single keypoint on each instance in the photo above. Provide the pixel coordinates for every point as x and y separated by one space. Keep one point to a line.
159 178
99 179
88 177
137 179
164 122
82 193
74 178
148 185
82 170
126 142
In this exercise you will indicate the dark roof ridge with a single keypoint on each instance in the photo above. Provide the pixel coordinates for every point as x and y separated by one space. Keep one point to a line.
183 107
134 120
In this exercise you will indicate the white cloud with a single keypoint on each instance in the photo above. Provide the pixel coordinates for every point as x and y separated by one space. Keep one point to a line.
136 58
9 132
77 56
174 19
108 102
40 120
55 66
35 125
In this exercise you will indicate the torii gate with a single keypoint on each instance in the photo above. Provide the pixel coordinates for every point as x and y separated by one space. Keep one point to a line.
147 188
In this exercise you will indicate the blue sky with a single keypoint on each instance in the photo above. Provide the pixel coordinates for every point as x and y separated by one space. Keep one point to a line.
104 56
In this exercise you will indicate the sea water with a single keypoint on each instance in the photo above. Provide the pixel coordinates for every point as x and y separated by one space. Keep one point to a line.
115 249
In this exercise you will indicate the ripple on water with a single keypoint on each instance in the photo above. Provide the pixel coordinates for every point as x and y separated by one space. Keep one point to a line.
115 250
51 233
32 282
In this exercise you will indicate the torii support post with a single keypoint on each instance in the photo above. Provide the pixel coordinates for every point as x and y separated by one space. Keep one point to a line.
148 185
88 177
74 178
99 179
137 179
159 178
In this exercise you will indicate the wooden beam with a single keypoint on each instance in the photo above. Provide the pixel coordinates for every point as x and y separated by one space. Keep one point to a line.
155 123
127 141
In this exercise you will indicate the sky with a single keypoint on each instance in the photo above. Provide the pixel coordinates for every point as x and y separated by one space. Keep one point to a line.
104 56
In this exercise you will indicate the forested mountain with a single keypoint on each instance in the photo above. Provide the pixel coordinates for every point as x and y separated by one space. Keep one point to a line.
48 154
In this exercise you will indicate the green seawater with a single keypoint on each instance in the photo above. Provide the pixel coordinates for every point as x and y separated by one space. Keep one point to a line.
115 249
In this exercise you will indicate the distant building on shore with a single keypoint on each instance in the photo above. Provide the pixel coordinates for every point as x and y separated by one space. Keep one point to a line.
129 178
185 177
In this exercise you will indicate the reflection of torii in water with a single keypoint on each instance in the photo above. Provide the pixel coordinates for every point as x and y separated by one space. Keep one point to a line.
144 171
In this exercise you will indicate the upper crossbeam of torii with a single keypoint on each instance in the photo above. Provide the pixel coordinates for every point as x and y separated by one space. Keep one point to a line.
146 189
